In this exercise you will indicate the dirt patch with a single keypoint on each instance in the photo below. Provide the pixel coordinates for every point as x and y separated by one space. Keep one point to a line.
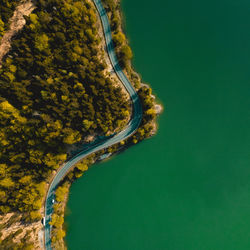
12 223
41 238
17 22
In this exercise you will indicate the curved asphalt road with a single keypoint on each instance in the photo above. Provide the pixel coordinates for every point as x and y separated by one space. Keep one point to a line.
104 143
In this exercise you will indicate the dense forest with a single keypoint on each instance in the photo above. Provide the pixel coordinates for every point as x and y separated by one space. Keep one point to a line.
53 93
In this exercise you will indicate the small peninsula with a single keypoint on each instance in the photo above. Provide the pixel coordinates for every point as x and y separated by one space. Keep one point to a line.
60 94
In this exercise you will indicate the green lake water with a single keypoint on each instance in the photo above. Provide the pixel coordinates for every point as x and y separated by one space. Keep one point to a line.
187 188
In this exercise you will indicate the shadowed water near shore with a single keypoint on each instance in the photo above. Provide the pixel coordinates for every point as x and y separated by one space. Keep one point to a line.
188 187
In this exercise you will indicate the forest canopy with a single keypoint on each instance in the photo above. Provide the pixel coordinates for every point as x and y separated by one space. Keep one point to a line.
53 93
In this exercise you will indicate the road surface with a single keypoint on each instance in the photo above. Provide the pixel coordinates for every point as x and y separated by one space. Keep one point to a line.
131 127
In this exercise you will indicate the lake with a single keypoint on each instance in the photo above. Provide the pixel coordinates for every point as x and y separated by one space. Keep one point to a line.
188 187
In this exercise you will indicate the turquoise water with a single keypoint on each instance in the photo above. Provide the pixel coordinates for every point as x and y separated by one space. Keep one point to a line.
188 188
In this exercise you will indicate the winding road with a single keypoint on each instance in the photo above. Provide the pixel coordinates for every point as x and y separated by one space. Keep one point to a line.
131 127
